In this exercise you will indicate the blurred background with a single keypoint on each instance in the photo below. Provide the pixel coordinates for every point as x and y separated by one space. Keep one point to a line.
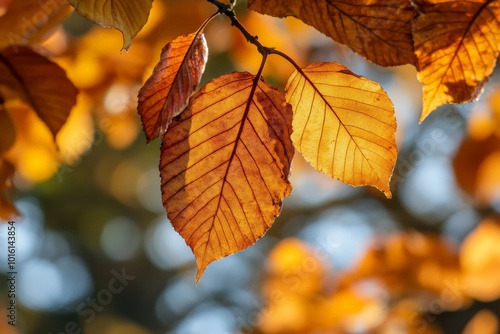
338 259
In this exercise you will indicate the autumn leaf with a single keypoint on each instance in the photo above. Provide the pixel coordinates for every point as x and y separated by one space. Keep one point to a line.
480 261
378 30
26 75
7 209
7 130
27 21
128 16
225 164
343 124
174 79
456 43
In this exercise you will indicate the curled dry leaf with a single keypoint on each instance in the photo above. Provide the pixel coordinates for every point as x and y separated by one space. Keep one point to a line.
379 30
24 75
174 79
225 164
128 16
457 44
343 125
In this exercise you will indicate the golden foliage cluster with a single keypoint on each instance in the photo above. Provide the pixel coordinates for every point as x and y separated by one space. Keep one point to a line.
399 285
226 149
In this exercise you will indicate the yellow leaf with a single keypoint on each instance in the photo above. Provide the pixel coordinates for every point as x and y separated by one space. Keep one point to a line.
456 44
379 30
26 75
343 125
483 322
224 166
480 261
27 21
128 16
174 79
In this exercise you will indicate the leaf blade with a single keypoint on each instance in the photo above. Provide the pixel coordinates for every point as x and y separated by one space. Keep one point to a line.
24 75
378 30
342 120
128 16
224 166
179 71
456 60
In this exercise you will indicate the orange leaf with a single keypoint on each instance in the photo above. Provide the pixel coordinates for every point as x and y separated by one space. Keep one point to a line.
456 43
28 21
225 164
26 75
174 79
378 30
480 261
344 125
7 130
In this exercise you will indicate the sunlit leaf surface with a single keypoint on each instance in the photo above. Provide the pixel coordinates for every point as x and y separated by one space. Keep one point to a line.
343 125
225 164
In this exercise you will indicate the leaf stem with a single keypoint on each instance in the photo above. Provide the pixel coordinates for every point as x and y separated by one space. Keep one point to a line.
263 50
202 27
229 12
288 58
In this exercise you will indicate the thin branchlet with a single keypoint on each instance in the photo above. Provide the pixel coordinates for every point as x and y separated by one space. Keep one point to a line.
227 9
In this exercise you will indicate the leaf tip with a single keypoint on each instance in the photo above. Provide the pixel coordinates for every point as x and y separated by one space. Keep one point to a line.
127 43
201 265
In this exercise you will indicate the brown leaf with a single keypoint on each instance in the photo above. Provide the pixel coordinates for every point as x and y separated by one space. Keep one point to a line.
456 43
378 30
6 172
174 79
225 164
128 16
7 130
26 75
343 125
27 21
7 209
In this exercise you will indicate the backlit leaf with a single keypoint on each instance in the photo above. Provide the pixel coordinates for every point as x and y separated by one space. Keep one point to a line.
128 16
343 125
26 75
456 43
225 164
174 79
27 21
379 30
